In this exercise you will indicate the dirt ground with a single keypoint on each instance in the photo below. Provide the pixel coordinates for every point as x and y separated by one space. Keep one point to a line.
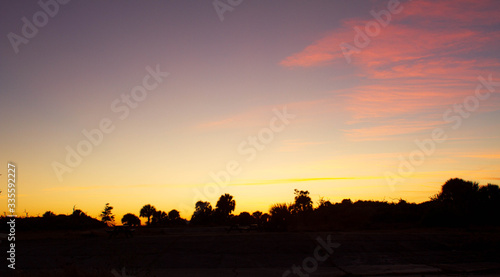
214 252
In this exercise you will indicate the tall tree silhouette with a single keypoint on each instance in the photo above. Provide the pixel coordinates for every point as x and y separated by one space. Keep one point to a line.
107 215
225 206
147 211
303 201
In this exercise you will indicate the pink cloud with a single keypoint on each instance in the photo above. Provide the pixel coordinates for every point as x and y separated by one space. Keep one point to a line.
390 131
422 29
426 59
392 98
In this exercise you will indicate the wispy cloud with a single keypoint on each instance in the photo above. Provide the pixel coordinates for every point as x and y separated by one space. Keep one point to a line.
427 58
298 180
422 30
389 131
481 155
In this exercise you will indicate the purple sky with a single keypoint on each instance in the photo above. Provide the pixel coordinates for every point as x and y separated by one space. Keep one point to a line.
353 120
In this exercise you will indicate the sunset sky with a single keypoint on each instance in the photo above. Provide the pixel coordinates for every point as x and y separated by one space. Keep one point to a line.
358 95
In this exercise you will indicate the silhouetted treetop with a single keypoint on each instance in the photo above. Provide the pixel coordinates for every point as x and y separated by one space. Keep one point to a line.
131 219
225 205
202 213
147 211
458 191
107 215
303 201
174 215
346 202
48 214
159 218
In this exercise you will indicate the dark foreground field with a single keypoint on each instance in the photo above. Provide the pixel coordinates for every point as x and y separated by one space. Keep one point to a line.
213 252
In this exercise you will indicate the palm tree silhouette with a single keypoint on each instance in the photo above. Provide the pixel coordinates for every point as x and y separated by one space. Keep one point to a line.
147 211
225 206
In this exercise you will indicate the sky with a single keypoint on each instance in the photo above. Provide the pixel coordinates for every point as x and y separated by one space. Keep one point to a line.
171 102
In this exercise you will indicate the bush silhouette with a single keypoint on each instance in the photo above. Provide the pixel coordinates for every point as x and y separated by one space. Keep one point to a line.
280 215
48 214
175 219
244 218
202 214
159 218
131 220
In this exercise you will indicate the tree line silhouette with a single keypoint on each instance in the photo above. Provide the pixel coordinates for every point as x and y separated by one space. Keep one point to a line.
460 203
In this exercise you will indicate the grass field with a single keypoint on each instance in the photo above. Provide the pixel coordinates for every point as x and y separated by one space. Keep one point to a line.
214 252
